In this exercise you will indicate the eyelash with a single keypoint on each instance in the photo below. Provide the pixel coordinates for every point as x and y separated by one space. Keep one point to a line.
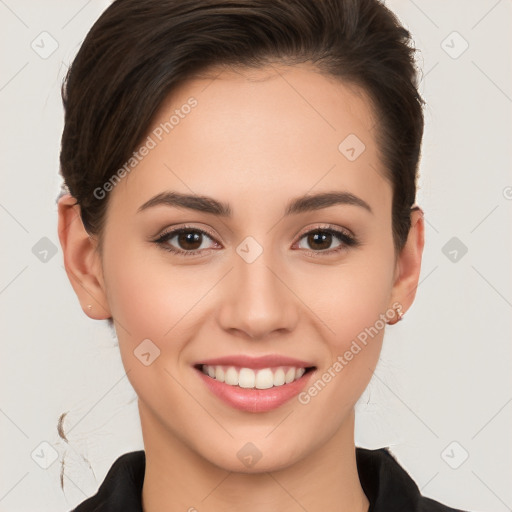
347 240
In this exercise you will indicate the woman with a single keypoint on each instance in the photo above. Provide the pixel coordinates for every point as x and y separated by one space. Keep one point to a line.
241 180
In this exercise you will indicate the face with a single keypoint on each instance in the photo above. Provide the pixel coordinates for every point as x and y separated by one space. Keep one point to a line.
258 279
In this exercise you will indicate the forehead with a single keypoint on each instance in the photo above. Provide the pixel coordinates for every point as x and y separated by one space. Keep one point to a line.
271 131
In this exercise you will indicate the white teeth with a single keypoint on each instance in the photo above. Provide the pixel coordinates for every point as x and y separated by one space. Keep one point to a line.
279 377
248 378
219 374
264 379
231 376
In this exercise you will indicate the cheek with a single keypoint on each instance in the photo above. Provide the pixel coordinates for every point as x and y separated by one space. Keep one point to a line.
354 300
147 295
354 310
355 315
151 300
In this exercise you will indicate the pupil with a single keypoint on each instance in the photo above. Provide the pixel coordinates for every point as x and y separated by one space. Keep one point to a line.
322 238
189 238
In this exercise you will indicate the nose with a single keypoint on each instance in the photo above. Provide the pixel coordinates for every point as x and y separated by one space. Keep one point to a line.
257 300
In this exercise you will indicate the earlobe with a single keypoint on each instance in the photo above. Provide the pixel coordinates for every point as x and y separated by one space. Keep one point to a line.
81 260
409 262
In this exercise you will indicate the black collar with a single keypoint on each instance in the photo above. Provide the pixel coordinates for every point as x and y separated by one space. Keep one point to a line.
388 487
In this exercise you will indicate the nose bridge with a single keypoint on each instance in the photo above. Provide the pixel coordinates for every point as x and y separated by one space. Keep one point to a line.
258 302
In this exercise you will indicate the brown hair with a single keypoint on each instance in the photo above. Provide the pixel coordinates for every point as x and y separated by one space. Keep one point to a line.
138 51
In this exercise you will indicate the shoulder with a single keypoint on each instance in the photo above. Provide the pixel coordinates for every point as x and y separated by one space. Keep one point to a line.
121 489
429 505
388 486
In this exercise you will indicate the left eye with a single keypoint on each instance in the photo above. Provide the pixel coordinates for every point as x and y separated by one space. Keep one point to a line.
321 240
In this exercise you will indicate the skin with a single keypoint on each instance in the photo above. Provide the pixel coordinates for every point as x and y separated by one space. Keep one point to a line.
255 140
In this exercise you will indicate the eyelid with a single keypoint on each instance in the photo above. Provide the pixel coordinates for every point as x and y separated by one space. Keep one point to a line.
172 229
326 227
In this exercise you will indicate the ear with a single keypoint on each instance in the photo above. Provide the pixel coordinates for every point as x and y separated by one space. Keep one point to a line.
82 260
408 265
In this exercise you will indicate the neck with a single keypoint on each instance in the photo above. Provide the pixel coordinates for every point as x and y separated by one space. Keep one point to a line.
178 479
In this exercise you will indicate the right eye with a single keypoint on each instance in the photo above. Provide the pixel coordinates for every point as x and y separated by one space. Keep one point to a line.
190 241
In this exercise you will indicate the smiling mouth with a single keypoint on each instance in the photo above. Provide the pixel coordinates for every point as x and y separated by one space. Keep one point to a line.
249 378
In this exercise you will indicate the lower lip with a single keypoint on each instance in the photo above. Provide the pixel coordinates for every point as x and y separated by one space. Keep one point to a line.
255 400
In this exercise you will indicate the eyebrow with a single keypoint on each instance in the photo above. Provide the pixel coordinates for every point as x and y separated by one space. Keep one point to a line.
205 204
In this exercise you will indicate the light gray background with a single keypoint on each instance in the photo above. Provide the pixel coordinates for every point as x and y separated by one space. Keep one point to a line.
444 375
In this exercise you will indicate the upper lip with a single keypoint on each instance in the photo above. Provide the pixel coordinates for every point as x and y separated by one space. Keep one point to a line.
267 361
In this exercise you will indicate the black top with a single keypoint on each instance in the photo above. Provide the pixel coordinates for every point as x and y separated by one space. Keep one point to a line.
388 487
